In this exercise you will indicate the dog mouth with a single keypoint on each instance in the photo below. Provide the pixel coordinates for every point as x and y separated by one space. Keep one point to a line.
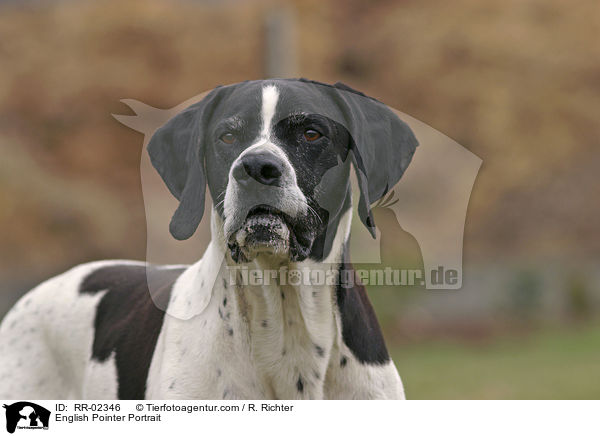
265 230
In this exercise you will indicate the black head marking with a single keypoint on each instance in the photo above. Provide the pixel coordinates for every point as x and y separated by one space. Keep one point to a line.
177 151
382 145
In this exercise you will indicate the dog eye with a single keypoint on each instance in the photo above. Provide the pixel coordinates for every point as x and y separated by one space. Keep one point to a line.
311 135
227 138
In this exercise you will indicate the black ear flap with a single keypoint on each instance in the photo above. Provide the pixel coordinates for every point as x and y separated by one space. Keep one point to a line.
382 146
177 152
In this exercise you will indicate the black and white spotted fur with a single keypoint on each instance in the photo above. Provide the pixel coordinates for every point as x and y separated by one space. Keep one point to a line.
281 199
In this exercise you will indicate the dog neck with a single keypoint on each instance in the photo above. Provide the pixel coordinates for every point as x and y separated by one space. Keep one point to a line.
288 317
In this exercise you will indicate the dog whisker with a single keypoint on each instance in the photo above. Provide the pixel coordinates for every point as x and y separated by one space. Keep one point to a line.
314 212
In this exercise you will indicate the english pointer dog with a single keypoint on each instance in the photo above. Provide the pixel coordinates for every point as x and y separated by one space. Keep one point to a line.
276 156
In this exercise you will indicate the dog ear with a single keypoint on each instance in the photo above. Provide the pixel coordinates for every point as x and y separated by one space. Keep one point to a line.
177 152
382 147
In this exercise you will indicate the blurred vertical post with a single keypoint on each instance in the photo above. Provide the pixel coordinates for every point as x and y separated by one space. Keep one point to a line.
280 43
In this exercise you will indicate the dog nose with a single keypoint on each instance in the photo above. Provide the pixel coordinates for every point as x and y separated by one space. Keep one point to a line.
265 168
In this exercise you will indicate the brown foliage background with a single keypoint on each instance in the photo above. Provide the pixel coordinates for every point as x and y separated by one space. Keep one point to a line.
517 82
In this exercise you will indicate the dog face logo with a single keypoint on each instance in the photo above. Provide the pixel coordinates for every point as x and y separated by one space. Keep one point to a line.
26 415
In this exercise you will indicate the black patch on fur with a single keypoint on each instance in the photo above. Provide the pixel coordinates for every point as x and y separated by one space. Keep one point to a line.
320 350
230 331
360 329
264 323
299 384
128 320
343 361
224 301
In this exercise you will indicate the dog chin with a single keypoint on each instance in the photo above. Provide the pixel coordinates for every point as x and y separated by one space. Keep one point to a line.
269 233
261 234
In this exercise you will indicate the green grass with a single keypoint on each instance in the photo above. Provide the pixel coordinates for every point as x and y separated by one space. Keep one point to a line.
548 364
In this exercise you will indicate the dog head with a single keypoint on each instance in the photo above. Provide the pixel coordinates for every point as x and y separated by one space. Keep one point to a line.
276 155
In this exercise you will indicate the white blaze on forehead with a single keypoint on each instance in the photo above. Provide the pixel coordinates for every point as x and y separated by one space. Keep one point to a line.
270 95
288 197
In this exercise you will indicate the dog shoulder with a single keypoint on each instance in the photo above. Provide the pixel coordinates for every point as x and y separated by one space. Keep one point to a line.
35 331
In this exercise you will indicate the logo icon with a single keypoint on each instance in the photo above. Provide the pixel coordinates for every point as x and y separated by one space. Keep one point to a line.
26 415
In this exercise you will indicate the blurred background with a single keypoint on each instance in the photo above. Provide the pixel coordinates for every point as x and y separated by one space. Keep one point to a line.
517 82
